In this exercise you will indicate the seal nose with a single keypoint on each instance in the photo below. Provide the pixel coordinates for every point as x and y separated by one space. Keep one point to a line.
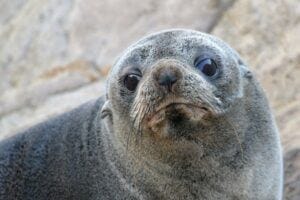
166 77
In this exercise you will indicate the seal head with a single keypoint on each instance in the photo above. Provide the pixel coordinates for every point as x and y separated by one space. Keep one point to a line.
183 105
171 82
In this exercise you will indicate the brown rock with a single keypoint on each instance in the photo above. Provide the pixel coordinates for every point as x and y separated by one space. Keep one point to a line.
292 174
54 81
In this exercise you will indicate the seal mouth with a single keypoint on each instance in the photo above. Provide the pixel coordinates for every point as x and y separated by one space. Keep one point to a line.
176 112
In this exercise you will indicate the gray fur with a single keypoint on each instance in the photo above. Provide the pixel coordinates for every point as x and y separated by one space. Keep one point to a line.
110 149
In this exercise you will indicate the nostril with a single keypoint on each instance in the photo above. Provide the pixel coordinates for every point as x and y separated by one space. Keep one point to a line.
167 79
167 75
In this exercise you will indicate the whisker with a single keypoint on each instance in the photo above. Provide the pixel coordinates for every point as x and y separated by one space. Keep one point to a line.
237 138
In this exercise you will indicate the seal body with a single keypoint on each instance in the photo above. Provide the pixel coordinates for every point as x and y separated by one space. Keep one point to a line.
183 118
61 158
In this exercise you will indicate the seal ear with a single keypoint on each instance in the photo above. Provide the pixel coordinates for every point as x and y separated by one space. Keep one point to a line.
245 72
106 110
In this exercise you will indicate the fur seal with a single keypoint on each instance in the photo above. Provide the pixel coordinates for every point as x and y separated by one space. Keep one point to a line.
182 118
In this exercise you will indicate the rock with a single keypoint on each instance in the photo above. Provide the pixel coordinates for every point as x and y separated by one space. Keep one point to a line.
292 174
56 80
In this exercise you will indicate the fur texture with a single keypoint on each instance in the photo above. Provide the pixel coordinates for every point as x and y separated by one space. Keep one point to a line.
206 138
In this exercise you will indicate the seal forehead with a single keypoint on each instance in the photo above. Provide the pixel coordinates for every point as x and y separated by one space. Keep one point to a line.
170 43
167 36
172 40
183 39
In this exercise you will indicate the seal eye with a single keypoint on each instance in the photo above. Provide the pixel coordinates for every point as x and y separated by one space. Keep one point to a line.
207 66
131 81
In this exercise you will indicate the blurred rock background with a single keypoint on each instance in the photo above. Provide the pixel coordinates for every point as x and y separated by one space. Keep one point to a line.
55 55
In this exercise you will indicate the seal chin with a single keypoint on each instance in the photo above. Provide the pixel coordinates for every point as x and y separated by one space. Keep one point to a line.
170 119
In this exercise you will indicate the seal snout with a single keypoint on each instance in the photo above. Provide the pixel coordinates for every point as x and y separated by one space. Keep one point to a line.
167 75
167 79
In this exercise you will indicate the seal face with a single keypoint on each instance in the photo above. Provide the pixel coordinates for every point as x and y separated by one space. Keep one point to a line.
171 82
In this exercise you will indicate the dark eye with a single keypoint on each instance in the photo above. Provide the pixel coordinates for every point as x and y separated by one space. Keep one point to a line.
131 81
207 66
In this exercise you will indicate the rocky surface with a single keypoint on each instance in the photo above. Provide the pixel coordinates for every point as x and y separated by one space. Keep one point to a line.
55 55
